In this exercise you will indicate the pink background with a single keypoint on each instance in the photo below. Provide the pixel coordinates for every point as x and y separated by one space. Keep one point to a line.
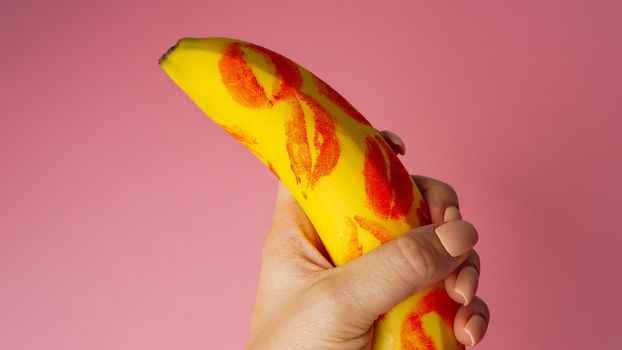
128 220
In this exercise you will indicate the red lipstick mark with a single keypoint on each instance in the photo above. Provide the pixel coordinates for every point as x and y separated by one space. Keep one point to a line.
286 69
304 165
388 185
339 100
325 141
240 80
375 228
352 246
413 336
297 141
241 135
272 169
307 166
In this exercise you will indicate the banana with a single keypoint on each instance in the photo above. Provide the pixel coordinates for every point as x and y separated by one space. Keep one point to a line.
346 178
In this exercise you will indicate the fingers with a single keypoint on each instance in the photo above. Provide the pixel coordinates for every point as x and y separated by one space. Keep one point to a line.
292 231
286 207
439 196
471 322
396 143
461 285
289 214
382 278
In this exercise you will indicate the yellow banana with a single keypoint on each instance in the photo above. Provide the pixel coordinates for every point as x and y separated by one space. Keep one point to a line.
350 184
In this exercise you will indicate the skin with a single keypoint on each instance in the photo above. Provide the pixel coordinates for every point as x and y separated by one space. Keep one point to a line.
304 302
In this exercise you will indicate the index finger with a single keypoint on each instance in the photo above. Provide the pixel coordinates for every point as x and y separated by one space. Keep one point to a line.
438 196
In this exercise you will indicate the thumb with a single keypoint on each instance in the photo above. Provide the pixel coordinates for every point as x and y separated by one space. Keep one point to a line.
291 225
382 278
287 211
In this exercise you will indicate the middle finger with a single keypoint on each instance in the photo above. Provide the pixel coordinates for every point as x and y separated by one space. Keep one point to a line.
461 285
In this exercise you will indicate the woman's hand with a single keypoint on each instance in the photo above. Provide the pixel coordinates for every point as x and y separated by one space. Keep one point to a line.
303 302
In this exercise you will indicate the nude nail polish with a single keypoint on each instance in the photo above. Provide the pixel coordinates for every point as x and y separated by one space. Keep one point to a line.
451 213
458 236
466 283
475 327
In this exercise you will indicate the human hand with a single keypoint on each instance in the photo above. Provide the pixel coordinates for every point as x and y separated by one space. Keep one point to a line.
304 302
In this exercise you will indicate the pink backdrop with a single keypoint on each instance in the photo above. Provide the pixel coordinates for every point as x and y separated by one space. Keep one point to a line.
130 221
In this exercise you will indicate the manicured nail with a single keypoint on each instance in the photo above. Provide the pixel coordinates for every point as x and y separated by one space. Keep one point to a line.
451 213
475 327
458 237
466 283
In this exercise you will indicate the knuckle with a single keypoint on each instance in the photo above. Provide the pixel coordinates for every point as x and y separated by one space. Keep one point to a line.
326 296
324 292
453 195
481 306
420 258
277 250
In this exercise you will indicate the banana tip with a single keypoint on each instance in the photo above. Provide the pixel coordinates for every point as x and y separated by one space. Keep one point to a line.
163 57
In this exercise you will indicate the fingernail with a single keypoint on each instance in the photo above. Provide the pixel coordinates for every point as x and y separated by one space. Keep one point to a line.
452 213
396 142
458 236
466 283
475 327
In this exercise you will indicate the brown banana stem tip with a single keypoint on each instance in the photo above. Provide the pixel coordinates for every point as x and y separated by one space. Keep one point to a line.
167 52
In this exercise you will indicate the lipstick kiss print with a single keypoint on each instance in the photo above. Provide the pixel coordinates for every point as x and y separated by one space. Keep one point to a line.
413 336
388 185
312 144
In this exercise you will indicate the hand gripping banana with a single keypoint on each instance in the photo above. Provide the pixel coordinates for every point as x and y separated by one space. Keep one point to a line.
346 178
